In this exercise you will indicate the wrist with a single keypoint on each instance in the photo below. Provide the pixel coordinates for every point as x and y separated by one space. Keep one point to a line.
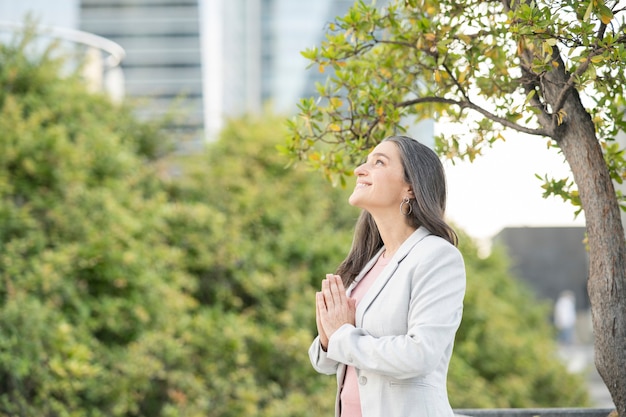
324 344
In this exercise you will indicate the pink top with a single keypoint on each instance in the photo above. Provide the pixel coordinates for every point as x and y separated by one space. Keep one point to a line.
350 399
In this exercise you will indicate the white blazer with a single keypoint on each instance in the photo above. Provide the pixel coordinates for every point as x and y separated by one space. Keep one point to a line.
404 334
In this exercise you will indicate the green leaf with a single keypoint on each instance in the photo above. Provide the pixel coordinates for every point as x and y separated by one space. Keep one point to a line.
605 14
588 12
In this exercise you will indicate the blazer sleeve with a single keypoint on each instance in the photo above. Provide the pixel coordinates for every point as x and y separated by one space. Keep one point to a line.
437 274
319 359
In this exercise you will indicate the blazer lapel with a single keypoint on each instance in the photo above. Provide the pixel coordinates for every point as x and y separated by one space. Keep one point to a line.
386 273
364 271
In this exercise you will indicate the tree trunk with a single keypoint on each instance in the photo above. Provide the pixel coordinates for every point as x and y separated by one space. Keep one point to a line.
606 282
607 246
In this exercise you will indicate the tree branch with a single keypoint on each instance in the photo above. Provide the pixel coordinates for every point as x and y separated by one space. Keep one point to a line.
456 82
469 105
579 71
530 83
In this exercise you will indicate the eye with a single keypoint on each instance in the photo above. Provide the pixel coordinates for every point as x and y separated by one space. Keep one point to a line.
379 162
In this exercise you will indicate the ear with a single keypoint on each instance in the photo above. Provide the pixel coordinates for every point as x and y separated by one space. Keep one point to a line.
410 193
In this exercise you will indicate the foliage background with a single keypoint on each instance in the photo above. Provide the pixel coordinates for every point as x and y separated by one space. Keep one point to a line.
136 282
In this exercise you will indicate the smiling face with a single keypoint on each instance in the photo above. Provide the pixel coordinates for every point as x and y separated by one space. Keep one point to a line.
380 185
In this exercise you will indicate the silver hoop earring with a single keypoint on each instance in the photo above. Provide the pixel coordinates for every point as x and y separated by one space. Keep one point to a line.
403 209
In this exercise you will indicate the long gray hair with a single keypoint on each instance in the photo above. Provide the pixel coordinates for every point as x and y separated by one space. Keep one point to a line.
424 172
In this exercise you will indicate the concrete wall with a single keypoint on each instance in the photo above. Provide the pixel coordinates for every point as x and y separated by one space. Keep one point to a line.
534 412
549 260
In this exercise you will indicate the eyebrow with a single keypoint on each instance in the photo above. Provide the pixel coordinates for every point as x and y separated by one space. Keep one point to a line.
379 154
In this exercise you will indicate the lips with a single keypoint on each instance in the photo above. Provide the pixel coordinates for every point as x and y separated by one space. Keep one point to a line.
362 185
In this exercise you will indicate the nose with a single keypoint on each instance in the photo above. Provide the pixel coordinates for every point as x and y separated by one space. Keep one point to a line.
360 170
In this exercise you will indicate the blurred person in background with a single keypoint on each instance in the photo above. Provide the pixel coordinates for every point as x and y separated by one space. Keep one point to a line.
565 317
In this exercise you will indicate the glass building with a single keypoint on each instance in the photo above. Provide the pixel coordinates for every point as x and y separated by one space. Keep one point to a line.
211 59
258 43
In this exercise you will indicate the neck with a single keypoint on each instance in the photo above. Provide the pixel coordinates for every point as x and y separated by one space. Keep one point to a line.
393 234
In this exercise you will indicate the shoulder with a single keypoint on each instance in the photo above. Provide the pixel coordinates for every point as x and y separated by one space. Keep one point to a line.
424 248
434 254
432 244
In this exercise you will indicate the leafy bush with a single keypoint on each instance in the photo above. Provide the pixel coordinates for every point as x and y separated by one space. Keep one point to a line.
258 237
85 283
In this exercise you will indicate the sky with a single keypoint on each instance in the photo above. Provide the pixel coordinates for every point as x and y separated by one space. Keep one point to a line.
499 189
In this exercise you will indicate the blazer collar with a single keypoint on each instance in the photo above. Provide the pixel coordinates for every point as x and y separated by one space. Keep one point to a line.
387 272
408 244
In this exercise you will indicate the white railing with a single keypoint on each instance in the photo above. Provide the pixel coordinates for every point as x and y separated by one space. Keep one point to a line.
102 56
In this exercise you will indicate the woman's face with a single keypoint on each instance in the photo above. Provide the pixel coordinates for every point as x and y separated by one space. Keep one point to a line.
380 184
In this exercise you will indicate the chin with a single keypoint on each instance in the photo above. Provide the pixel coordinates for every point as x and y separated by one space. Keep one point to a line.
354 202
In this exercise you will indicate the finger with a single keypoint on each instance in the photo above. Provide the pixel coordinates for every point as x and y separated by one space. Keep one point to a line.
327 290
337 289
320 301
339 281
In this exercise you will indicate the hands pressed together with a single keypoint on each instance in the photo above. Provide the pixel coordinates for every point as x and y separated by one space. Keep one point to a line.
333 308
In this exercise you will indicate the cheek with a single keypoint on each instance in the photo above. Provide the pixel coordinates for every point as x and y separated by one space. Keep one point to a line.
399 187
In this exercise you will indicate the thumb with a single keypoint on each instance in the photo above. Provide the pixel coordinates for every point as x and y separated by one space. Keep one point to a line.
352 310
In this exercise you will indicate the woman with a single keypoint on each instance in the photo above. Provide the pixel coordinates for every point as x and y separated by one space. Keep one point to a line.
387 318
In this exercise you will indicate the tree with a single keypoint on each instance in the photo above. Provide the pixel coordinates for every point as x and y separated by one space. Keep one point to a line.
548 69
